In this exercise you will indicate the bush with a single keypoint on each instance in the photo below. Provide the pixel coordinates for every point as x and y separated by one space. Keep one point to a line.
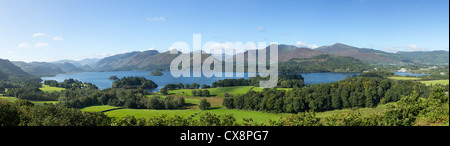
204 104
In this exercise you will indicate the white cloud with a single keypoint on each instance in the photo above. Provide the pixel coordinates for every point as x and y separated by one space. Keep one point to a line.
41 45
414 47
302 44
156 19
23 45
57 38
106 54
390 49
39 34
261 29
11 52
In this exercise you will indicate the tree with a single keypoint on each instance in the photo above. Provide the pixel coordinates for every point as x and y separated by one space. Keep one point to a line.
228 103
164 91
204 104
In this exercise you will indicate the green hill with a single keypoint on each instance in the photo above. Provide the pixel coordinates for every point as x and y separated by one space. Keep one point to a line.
8 71
428 58
381 57
47 69
323 63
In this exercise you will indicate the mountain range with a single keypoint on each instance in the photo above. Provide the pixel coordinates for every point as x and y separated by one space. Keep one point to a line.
380 57
154 60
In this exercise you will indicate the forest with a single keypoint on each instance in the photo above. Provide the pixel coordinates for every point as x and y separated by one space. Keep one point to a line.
284 81
409 111
134 83
323 63
353 92
79 95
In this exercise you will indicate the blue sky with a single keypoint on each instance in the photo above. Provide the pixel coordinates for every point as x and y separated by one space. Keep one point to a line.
50 30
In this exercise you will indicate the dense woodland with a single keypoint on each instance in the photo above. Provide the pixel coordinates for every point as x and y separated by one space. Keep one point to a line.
127 98
324 63
134 83
284 81
408 111
79 95
167 87
353 92
70 83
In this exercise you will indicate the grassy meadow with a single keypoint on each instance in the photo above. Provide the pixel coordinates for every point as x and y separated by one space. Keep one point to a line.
12 99
215 92
428 83
44 88
49 89
436 82
405 78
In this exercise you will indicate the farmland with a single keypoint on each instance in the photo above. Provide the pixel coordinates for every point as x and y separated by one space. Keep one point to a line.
216 92
405 78
49 89
436 82
34 102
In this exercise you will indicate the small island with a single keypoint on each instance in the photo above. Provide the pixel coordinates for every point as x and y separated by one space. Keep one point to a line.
134 83
156 73
113 78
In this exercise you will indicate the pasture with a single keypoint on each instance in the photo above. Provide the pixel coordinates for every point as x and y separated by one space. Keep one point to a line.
436 82
215 92
12 99
49 89
405 78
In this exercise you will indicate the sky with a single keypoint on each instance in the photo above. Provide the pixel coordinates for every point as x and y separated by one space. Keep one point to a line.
51 30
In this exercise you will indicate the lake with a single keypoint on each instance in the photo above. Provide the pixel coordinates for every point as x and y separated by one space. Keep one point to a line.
409 74
101 78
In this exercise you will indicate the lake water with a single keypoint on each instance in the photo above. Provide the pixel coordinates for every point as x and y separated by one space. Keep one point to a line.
101 78
409 74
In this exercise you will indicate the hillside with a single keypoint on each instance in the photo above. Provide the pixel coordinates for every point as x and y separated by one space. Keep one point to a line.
47 69
323 63
85 64
381 57
147 60
428 58
8 71
285 53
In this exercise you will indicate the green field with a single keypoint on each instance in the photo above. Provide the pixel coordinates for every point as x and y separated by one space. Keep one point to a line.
364 111
259 117
428 83
436 82
215 92
404 78
99 108
49 89
259 89
146 113
12 99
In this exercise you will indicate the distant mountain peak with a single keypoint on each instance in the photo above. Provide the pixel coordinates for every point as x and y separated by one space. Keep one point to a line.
378 56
